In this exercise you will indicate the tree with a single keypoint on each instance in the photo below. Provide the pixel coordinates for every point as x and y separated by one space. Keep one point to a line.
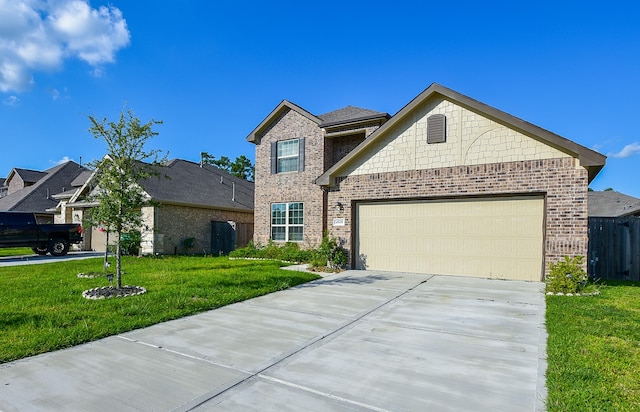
241 167
117 192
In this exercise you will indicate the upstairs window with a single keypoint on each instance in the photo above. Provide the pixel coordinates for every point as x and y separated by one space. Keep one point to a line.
287 222
287 156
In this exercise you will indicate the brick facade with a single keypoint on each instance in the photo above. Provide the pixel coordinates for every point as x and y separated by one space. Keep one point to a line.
486 153
176 223
563 185
290 186
320 153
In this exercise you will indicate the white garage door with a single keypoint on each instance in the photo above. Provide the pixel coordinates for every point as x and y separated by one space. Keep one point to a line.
494 238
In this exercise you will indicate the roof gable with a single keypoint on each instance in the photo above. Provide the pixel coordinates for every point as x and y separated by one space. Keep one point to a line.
39 196
283 107
589 159
27 176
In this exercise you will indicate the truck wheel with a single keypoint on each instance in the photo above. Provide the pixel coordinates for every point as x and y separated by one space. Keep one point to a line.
58 247
41 250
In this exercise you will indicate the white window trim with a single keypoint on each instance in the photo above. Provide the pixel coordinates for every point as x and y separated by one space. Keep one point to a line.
286 225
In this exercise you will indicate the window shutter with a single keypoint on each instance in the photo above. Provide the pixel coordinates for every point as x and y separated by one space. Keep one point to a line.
301 154
436 128
274 158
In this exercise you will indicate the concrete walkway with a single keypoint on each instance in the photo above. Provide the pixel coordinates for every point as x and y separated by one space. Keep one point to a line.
359 340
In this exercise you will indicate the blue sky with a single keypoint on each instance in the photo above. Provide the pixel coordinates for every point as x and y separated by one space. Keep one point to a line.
213 70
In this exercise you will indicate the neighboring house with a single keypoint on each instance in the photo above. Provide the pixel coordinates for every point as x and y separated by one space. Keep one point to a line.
610 203
35 191
191 209
3 189
448 185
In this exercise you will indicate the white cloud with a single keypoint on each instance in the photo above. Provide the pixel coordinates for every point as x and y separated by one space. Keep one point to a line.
39 35
627 151
11 101
61 161
57 94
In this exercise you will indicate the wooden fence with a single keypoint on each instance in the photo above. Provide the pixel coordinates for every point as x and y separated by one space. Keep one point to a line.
614 248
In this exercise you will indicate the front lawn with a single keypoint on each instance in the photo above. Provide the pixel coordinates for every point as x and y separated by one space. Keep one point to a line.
594 350
15 251
42 308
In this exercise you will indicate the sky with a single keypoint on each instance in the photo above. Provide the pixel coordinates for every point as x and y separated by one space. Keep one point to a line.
213 70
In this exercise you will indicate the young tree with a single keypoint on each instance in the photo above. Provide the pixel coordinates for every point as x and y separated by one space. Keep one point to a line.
117 192
241 167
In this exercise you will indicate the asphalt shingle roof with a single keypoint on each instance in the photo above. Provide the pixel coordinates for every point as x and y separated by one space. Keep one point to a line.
185 182
610 203
30 176
38 197
348 114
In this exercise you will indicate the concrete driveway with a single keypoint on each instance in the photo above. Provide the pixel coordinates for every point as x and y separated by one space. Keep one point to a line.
359 340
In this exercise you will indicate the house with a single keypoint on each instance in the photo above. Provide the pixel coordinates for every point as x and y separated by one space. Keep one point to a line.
35 191
610 203
3 188
192 208
448 185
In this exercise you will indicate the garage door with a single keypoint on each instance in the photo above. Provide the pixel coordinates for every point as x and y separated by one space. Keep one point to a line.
494 238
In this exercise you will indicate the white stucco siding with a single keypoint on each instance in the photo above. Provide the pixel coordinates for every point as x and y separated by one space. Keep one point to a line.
471 139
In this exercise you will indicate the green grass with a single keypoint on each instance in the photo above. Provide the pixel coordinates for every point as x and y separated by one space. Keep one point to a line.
15 251
594 350
42 308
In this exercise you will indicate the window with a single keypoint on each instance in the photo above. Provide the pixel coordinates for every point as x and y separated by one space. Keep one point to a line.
287 156
287 222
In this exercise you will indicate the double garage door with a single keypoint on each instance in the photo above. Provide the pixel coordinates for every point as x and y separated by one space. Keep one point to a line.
498 237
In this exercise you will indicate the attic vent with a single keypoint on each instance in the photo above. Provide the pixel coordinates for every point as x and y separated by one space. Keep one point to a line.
436 129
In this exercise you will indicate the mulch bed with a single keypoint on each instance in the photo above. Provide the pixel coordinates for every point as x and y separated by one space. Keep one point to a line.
106 292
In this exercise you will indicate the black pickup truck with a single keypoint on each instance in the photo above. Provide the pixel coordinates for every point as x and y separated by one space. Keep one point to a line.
21 229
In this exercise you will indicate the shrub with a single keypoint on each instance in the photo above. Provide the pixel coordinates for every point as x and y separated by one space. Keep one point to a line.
130 243
187 244
330 253
567 276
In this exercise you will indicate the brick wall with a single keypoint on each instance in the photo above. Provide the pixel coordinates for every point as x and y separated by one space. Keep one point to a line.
320 154
175 223
563 183
290 186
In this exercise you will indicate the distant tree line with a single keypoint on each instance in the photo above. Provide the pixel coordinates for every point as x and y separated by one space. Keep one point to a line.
241 167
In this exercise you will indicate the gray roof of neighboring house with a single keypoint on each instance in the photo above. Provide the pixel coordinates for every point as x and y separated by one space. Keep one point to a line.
610 203
82 177
39 196
29 176
186 183
349 114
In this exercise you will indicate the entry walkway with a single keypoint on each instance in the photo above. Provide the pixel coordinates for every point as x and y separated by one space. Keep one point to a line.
358 340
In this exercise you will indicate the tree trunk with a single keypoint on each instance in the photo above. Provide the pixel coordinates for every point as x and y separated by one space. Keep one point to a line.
119 261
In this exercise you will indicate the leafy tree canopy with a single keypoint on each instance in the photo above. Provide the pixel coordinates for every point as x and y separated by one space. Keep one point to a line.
241 167
118 194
